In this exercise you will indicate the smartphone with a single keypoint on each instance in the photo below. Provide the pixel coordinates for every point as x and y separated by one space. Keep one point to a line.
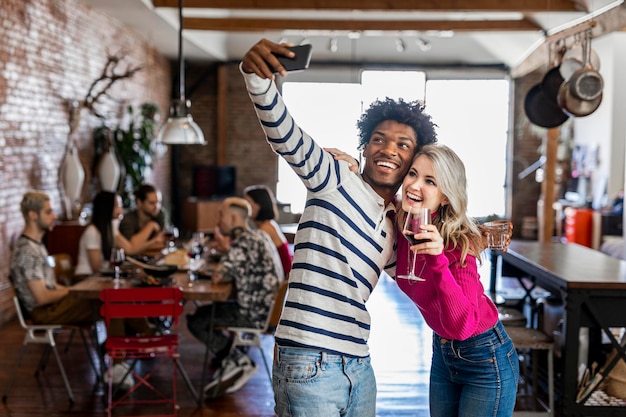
298 63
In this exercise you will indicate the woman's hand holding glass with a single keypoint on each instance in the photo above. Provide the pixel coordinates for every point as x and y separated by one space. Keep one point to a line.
414 221
424 237
432 242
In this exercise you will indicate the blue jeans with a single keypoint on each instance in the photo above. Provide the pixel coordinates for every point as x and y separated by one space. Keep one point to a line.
311 383
474 377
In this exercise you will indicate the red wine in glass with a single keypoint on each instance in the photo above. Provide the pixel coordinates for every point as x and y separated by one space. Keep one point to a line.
411 237
117 262
171 234
415 218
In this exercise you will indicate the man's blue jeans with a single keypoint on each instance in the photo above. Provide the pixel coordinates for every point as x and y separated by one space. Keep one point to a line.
474 377
316 384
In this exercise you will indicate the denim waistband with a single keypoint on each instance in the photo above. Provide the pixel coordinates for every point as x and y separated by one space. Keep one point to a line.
497 331
312 354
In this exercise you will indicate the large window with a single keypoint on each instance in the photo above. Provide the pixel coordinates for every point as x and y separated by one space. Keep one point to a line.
472 118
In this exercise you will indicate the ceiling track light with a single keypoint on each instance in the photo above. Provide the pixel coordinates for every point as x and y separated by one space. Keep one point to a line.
180 129
332 45
400 45
424 44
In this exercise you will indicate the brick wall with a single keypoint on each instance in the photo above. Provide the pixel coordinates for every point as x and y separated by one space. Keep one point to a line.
527 141
50 52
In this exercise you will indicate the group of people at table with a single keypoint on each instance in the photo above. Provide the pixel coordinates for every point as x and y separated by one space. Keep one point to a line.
349 233
251 260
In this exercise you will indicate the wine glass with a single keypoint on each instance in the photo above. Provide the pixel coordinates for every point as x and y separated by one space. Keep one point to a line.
171 234
415 218
117 258
194 247
198 241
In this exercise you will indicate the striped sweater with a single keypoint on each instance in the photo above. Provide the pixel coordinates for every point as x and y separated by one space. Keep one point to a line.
344 241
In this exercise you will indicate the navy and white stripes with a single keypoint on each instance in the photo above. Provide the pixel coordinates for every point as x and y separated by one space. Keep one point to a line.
344 239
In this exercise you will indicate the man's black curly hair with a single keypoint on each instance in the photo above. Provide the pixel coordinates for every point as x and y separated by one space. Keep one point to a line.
408 113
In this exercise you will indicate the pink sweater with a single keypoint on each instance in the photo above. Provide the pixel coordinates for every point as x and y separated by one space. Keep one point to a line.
452 299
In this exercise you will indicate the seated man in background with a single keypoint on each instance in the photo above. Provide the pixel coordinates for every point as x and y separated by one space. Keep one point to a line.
32 269
252 263
148 210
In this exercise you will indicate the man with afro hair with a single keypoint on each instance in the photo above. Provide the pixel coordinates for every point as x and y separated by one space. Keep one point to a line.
345 239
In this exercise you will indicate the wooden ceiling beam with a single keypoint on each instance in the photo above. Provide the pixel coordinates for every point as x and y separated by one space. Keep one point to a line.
261 25
389 5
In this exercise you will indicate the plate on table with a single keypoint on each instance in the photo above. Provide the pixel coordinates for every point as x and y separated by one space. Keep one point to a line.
107 273
125 272
157 271
205 273
151 281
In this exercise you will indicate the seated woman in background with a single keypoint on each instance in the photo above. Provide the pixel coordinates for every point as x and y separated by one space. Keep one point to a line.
101 235
265 213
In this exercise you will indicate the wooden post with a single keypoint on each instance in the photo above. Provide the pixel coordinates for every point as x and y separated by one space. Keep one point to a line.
548 186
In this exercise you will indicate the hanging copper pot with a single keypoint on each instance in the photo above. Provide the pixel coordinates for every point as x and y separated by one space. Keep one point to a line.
574 106
574 59
581 94
586 83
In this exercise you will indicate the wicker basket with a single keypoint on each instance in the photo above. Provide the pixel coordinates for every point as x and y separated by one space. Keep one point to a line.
615 382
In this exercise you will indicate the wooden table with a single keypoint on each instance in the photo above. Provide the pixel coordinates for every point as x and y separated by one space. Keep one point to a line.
592 286
201 290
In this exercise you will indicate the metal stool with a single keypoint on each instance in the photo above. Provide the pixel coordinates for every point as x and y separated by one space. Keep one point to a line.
528 340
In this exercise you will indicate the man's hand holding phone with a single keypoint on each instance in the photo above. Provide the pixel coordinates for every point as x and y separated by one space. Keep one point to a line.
266 58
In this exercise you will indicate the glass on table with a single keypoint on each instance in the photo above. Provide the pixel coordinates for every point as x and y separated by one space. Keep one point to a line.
171 234
198 243
117 259
497 233
195 248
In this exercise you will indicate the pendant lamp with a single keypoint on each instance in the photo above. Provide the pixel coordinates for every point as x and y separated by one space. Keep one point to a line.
180 129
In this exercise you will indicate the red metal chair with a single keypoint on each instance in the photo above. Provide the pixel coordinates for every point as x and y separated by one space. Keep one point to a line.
123 303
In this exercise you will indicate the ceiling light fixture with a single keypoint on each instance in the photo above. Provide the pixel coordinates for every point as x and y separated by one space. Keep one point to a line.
332 45
424 44
400 45
180 128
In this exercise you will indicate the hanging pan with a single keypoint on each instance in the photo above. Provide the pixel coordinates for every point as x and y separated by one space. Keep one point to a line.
581 94
574 59
574 106
542 111
586 83
553 79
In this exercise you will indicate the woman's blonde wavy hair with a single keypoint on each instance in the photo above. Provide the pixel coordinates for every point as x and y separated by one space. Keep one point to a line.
456 227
